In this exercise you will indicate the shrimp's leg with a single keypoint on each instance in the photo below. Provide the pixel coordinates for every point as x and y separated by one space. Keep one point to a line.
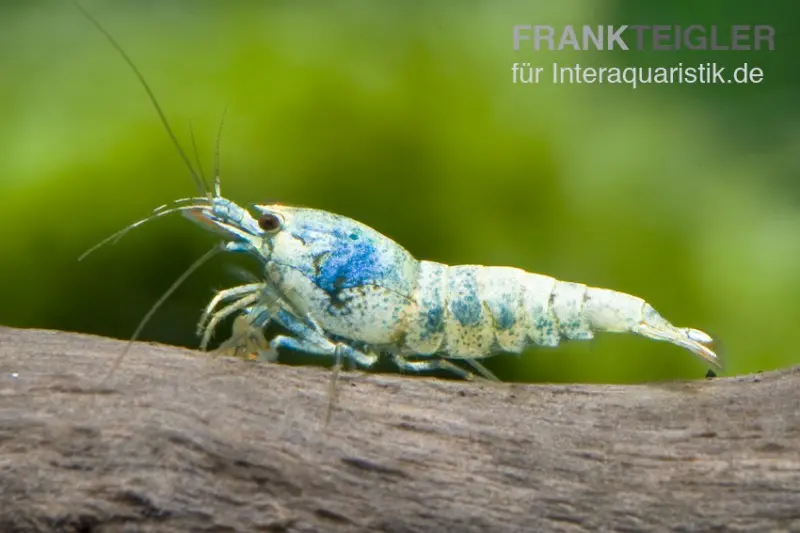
325 348
309 340
223 313
431 365
481 369
222 296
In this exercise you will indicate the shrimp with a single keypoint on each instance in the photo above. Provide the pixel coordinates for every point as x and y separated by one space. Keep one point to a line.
345 290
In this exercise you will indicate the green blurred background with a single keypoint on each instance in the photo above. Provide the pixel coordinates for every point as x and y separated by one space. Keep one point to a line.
403 116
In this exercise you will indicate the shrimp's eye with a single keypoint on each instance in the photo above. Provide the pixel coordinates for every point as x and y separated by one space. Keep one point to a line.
269 222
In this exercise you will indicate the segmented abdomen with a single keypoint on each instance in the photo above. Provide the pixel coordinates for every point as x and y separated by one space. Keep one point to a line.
475 311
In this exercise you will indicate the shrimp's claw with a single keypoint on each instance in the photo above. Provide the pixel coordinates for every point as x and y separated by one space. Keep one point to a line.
654 326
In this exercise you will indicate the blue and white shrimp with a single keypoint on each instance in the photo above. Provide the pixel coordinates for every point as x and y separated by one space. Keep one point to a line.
345 290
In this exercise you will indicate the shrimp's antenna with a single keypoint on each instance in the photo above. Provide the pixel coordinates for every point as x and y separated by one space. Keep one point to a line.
202 186
217 191
196 153
177 283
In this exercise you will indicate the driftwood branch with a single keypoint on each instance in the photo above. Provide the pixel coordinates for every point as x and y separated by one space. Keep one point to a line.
183 441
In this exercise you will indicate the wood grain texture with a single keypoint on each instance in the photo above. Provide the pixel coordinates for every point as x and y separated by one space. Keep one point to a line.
183 441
